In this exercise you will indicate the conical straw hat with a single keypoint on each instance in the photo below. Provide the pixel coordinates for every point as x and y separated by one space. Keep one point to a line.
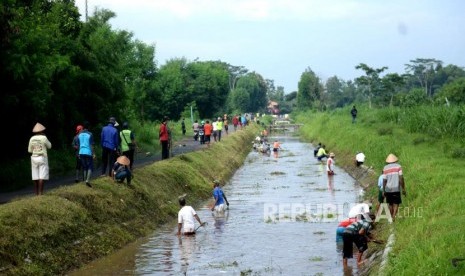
38 128
123 160
391 158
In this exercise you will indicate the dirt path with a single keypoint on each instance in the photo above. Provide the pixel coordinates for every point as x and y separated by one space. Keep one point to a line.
185 145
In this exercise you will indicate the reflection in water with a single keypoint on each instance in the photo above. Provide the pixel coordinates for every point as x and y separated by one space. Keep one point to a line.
220 221
245 241
186 248
331 185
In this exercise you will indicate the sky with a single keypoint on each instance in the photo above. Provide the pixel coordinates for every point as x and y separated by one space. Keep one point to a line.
280 39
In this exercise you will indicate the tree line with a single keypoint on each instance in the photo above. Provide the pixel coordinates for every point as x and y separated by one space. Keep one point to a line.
61 71
426 81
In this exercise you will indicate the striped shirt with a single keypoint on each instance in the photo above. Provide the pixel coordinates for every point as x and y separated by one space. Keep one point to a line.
392 173
355 227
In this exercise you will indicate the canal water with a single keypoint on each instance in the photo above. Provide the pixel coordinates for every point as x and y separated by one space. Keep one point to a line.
282 220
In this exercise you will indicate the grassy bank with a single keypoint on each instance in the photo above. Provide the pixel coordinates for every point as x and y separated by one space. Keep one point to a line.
70 226
429 231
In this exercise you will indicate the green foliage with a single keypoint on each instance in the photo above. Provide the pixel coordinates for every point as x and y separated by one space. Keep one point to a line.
453 93
310 90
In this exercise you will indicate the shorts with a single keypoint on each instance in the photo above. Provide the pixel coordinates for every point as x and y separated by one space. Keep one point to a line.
39 167
207 138
380 196
275 149
359 163
330 172
349 239
393 198
219 208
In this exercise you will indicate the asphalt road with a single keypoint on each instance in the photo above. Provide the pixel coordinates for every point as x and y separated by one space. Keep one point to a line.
141 159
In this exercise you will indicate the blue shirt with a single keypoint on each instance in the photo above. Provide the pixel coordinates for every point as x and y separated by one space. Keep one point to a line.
86 141
218 195
109 137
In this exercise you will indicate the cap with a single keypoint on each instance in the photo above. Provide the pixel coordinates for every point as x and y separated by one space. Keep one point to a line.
332 154
79 128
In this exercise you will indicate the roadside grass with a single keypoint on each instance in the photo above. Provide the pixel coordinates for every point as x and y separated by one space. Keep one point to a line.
73 225
429 232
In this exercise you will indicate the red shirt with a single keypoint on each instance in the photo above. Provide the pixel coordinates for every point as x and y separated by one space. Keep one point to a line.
208 129
163 135
235 120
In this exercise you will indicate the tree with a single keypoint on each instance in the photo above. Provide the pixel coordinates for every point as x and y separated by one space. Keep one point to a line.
371 81
453 92
424 70
309 90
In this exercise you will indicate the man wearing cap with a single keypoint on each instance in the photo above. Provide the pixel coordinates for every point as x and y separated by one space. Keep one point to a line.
164 137
86 152
121 170
330 164
110 143
75 145
219 197
38 145
393 182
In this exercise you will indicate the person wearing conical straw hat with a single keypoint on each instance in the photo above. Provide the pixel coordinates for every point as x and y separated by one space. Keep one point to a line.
393 184
38 145
121 170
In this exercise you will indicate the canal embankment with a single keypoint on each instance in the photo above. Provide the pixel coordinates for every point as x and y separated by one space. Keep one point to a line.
73 225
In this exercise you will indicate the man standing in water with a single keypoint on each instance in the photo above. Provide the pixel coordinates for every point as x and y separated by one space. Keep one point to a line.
393 181
186 218
219 197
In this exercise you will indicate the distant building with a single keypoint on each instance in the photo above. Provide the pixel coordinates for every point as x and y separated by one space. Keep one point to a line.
273 107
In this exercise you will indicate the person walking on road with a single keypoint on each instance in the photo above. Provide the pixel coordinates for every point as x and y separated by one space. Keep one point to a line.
219 128
183 127
38 145
186 218
163 135
86 152
110 143
75 145
393 184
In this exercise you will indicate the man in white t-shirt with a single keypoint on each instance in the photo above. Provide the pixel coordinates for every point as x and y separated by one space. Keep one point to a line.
186 218
359 159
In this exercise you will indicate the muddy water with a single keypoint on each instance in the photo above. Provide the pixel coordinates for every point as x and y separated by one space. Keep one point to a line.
282 219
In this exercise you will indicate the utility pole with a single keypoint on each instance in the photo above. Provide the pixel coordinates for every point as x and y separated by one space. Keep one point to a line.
86 10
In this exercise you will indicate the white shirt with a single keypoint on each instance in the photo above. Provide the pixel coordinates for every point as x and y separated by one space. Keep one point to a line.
360 157
186 217
358 209
215 126
330 164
